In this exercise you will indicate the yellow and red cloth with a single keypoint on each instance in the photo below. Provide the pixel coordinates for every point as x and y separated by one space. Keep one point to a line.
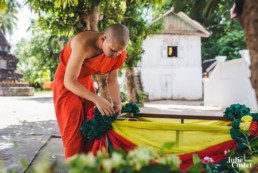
205 138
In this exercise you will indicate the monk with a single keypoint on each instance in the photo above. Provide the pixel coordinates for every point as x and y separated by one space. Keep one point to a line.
86 54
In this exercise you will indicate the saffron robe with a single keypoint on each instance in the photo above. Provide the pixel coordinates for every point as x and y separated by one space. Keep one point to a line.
71 109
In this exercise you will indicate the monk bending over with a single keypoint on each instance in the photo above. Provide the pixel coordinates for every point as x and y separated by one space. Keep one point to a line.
86 54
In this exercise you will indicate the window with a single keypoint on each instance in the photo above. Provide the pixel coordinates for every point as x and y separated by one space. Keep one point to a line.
172 51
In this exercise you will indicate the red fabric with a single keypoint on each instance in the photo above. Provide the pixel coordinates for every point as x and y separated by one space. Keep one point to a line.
217 153
71 109
118 142
253 128
96 145
90 114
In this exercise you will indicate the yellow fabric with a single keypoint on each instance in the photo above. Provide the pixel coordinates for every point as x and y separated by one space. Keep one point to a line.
193 135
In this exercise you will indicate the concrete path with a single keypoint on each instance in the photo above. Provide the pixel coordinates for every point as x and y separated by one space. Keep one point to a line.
26 124
28 127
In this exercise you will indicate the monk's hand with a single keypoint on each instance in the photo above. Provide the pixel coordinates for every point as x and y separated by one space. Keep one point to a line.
118 108
104 107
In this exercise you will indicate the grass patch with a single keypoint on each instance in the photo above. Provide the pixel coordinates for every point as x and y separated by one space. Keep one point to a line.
39 91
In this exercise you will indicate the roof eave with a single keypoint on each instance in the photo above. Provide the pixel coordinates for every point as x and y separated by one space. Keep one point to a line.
187 19
186 33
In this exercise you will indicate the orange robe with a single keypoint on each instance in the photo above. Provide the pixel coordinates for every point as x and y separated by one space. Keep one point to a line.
71 109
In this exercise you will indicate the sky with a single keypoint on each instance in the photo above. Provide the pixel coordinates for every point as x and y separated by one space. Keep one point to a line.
24 16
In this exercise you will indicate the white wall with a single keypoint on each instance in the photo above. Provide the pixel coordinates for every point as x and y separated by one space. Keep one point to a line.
229 84
172 78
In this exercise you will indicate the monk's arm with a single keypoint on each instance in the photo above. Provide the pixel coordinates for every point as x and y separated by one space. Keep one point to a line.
114 89
71 75
72 72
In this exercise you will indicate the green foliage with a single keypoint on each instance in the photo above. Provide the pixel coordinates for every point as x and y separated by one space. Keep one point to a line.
112 12
46 166
2 5
137 160
123 96
38 57
227 39
231 44
196 159
166 146
60 20
244 132
141 96
227 36
8 12
69 17
64 3
209 9
247 143
139 30
24 164
248 156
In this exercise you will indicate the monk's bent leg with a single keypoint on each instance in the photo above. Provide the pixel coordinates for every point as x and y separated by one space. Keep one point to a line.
70 116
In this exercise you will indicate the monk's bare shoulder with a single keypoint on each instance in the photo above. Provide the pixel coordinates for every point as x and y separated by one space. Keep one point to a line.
83 42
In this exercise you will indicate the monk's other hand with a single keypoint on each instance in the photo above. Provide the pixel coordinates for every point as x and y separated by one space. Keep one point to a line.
104 107
118 109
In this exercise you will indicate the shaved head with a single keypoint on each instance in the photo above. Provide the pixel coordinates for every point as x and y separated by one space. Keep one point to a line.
118 34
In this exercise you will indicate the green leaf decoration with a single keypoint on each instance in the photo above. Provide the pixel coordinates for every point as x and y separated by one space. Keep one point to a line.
100 124
236 111
131 108
255 116
196 159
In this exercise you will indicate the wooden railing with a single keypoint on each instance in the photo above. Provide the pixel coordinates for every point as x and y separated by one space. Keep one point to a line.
182 117
174 116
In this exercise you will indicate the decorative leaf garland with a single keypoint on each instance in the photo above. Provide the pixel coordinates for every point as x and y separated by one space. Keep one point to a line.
236 111
130 108
244 131
96 125
245 123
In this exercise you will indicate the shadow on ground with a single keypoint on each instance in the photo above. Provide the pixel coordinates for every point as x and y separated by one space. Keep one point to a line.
25 141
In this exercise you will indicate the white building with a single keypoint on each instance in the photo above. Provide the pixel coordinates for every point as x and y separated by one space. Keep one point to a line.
229 83
171 65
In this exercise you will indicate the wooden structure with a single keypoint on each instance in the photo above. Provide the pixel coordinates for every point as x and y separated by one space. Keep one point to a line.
171 63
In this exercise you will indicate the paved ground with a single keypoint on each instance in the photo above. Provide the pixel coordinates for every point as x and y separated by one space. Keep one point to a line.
28 127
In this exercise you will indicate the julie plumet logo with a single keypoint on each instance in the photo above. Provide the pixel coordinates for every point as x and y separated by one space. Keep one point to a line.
239 162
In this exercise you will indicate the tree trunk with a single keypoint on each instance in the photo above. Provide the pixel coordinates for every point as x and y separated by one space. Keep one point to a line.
249 21
102 86
92 20
131 87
